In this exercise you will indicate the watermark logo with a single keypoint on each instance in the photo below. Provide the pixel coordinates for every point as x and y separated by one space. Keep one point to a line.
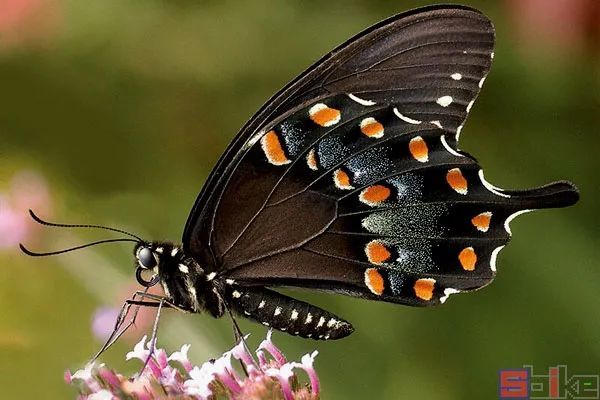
523 384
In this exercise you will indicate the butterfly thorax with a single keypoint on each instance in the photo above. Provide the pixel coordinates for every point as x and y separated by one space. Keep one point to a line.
183 281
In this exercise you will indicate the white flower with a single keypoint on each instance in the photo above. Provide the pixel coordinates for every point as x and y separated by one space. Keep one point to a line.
200 379
283 374
139 351
101 395
181 356
85 374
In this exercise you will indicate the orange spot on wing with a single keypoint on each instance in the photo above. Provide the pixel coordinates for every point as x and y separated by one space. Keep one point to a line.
467 258
424 288
377 253
323 115
418 149
273 149
311 160
374 281
371 128
342 180
374 195
482 221
457 181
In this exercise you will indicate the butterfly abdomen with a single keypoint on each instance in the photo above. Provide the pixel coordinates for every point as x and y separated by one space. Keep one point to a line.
286 314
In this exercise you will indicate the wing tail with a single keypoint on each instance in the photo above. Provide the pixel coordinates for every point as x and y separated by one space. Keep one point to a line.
553 195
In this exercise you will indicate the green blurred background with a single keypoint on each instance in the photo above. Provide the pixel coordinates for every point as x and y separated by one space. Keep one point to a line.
114 112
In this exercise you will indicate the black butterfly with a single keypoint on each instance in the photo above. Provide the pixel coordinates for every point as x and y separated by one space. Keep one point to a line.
349 180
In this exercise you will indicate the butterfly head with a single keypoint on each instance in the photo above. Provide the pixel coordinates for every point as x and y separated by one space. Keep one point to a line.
150 258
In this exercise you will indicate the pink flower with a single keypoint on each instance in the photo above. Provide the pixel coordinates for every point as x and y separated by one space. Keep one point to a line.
557 26
283 374
26 190
103 322
28 20
213 379
268 345
307 365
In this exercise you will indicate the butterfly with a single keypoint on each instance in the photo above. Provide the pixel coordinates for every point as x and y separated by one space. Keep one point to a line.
349 180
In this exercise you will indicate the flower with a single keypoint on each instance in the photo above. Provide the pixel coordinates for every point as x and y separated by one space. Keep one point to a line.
139 351
26 190
273 378
103 321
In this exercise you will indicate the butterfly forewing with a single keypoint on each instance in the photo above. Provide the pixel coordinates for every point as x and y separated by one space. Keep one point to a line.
350 180
411 59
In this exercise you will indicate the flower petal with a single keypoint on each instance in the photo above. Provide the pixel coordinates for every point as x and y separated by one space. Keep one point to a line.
139 351
101 395
283 374
307 365
268 345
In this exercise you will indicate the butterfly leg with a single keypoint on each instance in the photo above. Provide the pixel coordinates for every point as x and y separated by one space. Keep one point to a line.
117 331
154 336
238 335
121 327
287 314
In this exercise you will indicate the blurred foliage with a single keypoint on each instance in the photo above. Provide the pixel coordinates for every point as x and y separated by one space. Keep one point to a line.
124 107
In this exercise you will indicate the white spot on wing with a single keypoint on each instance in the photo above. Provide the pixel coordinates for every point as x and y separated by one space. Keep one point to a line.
321 322
294 315
494 257
447 146
262 304
445 101
458 132
277 311
490 187
456 76
174 252
511 217
447 293
211 276
405 118
470 105
361 101
236 294
331 322
437 123
159 250
229 281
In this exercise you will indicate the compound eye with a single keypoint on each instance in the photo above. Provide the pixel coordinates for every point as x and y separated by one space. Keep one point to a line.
146 258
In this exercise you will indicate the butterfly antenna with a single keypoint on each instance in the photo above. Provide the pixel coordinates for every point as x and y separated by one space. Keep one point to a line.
53 253
46 223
